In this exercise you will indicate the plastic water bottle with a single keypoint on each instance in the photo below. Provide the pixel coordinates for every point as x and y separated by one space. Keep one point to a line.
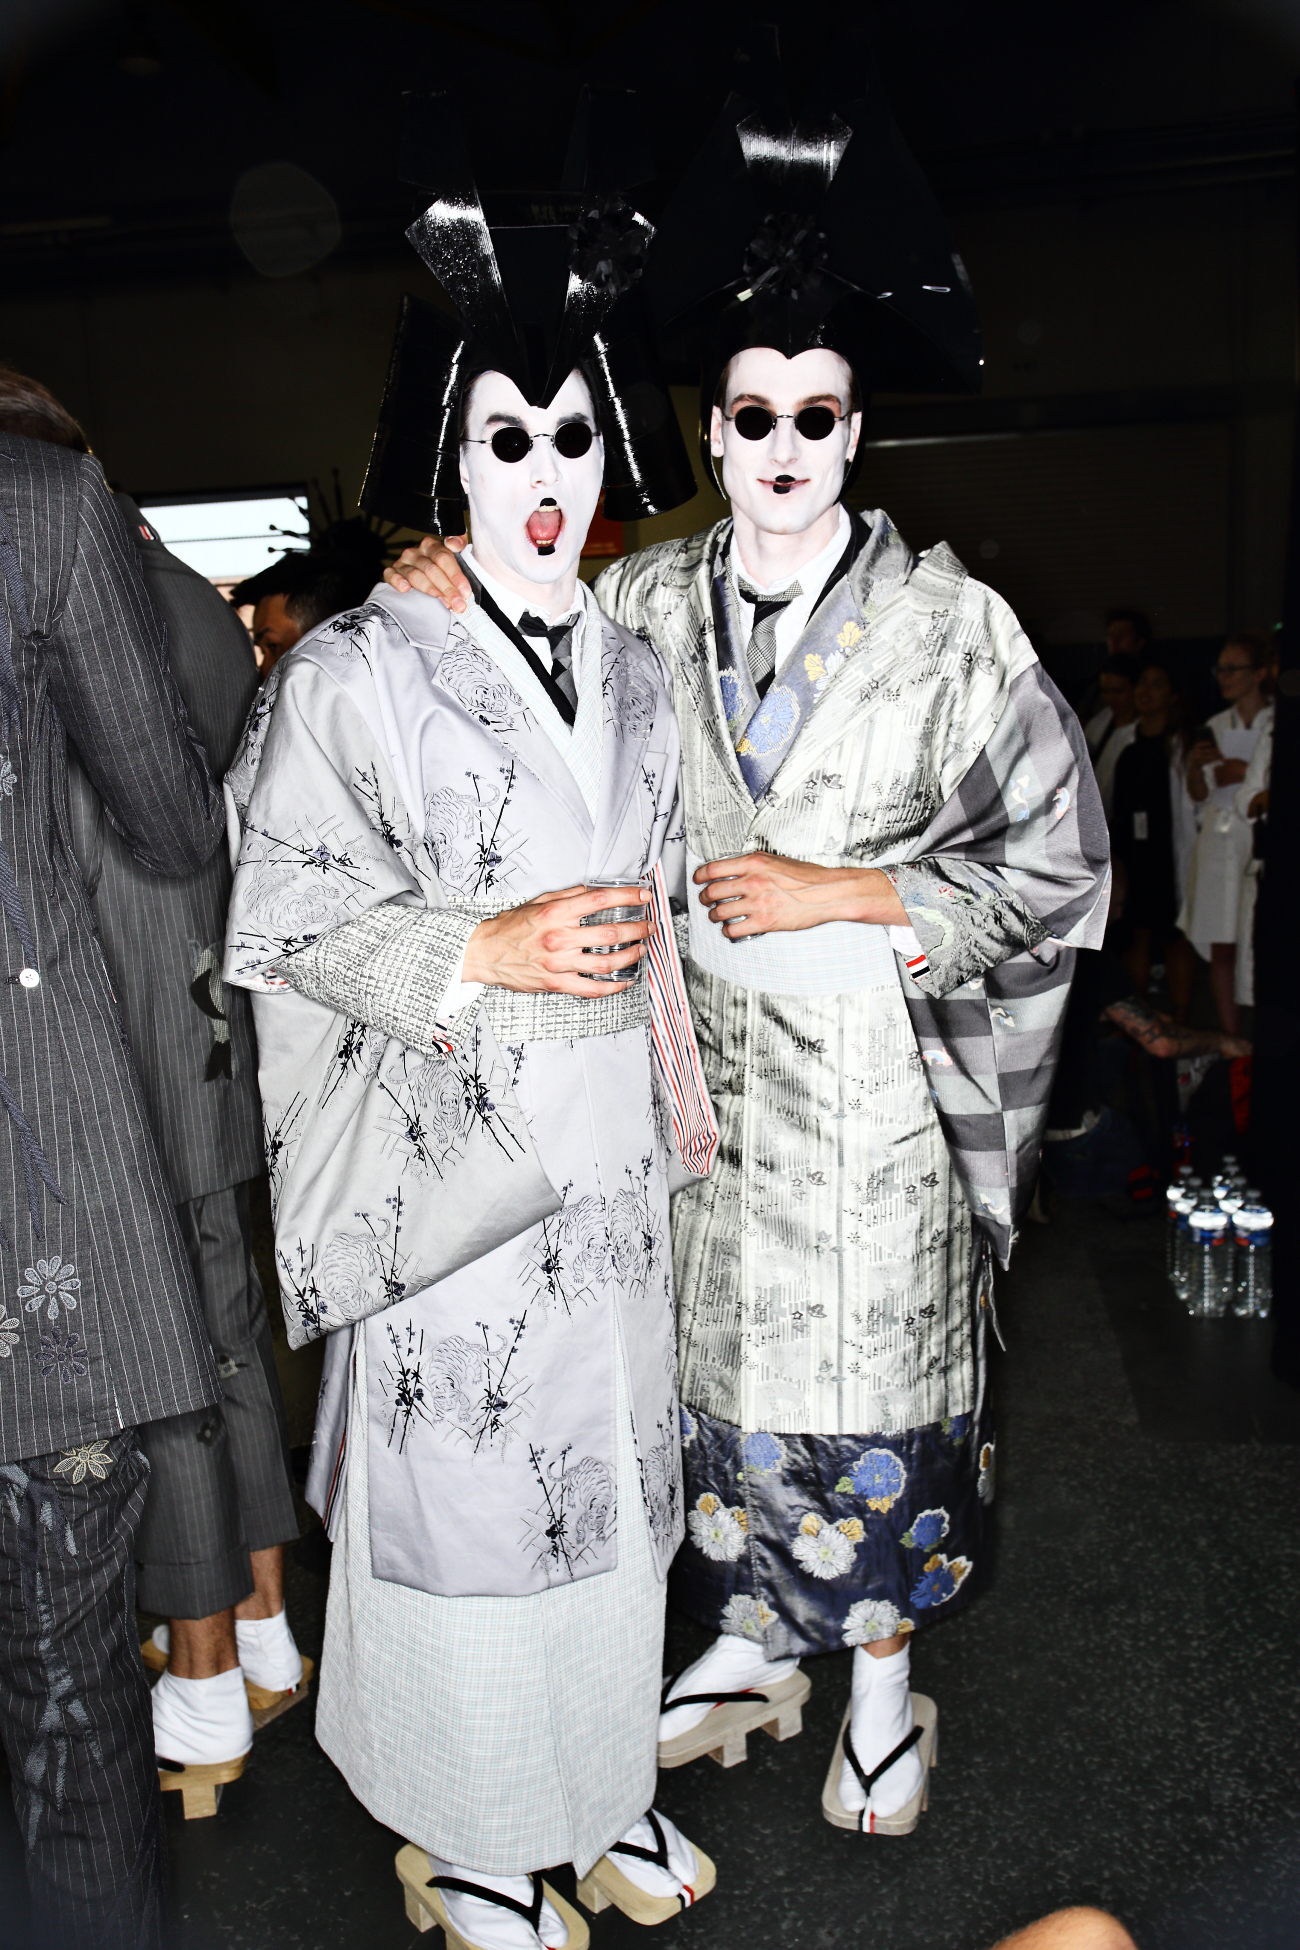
1252 1295
1173 1192
1181 1273
1208 1269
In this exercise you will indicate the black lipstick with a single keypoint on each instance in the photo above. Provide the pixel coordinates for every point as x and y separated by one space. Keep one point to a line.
783 484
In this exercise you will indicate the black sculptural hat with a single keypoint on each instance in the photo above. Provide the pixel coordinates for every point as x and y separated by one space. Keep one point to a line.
816 232
533 301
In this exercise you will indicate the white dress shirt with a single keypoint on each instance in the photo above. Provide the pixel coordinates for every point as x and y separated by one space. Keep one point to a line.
811 578
512 605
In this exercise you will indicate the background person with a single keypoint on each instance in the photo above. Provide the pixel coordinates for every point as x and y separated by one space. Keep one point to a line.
1216 767
101 1330
1113 727
1148 802
221 1482
307 586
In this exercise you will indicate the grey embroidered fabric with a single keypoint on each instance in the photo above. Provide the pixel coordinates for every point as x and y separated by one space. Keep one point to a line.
519 1018
390 968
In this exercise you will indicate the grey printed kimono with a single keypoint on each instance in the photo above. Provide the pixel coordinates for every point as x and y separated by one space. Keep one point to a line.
873 1094
486 1202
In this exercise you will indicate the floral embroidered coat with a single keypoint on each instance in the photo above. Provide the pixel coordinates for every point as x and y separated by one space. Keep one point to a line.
482 1206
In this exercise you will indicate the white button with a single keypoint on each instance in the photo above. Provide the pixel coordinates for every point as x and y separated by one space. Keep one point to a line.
29 978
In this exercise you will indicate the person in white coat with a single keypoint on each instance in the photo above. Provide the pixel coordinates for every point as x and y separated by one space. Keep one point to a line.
1216 768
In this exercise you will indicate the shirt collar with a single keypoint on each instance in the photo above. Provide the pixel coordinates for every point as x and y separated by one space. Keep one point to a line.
511 603
813 574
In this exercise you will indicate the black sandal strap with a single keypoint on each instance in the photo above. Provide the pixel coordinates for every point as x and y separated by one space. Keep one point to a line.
658 1855
531 1912
868 1781
703 1699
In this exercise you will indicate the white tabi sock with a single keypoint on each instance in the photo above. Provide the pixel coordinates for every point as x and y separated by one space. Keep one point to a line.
678 1879
201 1721
267 1652
731 1665
484 1924
881 1716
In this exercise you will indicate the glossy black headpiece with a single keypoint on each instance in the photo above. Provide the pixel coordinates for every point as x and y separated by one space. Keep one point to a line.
821 232
534 302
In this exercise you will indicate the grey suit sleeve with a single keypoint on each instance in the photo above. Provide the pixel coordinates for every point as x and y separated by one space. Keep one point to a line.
108 676
388 968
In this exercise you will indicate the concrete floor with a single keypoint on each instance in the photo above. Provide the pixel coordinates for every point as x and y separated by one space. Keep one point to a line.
1119 1713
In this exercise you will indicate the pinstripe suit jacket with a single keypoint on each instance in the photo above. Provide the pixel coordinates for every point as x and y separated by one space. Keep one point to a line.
157 933
100 1326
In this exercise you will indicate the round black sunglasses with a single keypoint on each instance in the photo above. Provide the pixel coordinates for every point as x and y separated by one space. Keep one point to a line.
573 440
813 422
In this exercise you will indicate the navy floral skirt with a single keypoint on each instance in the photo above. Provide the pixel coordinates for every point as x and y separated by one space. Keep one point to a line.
809 1543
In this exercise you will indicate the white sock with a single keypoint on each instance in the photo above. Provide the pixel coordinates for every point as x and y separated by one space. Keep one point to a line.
881 1716
678 1879
731 1665
201 1721
492 1928
267 1652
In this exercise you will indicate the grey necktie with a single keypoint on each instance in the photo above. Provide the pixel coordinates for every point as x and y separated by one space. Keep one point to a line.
760 652
560 638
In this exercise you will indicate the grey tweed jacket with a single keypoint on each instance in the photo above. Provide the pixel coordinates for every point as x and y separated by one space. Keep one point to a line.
164 938
100 1326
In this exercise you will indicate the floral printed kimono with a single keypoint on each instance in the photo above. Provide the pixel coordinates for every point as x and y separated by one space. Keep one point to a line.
881 1093
474 1212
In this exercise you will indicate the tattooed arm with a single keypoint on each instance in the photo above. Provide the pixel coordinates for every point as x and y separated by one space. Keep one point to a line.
1159 1035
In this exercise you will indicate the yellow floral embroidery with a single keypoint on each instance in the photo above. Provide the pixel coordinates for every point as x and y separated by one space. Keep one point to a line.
745 749
810 1525
849 635
814 666
852 1528
742 1517
708 1504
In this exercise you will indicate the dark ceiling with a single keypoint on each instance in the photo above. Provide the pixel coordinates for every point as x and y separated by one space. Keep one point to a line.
125 128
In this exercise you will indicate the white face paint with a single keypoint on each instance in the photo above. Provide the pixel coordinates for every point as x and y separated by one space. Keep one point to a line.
530 517
784 483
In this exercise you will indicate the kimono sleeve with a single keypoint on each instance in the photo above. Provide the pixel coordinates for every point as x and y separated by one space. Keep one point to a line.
1018 854
325 838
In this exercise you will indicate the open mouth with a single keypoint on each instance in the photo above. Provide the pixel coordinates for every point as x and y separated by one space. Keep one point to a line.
783 483
543 527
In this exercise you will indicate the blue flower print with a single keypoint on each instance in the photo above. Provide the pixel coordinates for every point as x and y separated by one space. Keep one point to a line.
772 724
927 1531
878 1476
733 695
762 1453
690 1428
939 1580
956 1427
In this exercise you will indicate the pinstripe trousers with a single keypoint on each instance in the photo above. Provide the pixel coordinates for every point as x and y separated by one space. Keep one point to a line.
74 1704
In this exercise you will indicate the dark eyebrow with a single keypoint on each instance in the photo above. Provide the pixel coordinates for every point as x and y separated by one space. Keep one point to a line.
761 399
503 420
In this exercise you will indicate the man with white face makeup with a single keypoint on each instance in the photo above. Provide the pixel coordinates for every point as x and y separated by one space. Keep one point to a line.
477 1092
895 839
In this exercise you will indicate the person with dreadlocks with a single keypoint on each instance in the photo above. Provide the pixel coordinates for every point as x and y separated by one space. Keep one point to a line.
896 846
454 834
